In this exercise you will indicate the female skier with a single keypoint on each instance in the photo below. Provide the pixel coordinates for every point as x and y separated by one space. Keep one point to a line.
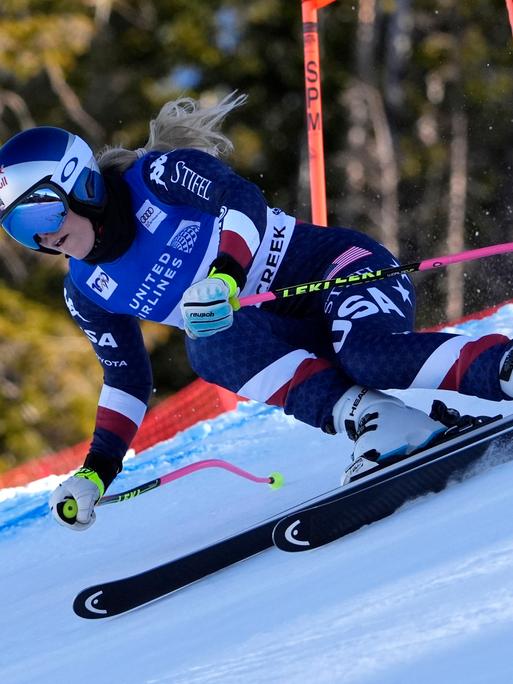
170 233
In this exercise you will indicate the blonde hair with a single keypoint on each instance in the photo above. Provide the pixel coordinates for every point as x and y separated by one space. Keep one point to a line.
180 123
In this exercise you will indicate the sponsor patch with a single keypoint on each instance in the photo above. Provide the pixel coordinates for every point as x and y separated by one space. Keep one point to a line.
192 181
101 283
157 170
185 236
150 216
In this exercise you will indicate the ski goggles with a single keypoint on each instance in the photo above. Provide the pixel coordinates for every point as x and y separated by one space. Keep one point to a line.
41 210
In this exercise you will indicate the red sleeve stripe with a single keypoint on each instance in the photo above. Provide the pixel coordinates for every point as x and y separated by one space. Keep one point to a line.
118 424
122 402
233 244
240 223
467 356
239 236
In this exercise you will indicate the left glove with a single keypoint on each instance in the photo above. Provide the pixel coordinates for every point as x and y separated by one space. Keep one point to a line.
207 306
72 503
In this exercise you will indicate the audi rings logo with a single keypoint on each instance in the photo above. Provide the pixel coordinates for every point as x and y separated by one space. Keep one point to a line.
147 214
150 216
69 169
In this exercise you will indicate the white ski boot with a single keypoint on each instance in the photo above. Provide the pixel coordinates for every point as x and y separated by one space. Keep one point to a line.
383 428
506 373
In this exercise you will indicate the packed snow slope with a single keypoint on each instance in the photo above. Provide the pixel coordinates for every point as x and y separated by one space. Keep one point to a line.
423 596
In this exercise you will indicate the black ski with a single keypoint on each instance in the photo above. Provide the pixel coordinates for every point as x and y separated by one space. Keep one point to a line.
312 523
382 492
128 593
119 596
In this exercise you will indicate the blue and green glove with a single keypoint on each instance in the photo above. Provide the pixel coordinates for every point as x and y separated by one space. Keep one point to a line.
207 306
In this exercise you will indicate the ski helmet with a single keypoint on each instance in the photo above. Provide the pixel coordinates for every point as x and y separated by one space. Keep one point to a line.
44 171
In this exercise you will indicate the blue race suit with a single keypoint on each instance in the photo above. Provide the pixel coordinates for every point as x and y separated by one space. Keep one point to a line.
301 354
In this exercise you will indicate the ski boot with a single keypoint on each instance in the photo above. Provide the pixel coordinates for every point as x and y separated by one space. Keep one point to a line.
383 428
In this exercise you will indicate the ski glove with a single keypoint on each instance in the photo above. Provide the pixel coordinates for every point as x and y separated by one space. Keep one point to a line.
207 306
72 503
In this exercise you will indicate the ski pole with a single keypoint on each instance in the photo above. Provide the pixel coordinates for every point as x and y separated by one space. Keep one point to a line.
379 274
275 480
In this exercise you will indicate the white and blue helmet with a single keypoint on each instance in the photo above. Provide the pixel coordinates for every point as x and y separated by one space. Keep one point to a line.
44 171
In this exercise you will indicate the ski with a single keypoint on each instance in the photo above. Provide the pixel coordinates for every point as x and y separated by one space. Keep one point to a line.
111 598
381 492
306 525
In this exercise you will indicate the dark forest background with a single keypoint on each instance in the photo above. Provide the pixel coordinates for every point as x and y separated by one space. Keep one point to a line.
418 127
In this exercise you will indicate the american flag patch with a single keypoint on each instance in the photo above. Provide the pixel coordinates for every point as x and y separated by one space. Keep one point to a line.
346 258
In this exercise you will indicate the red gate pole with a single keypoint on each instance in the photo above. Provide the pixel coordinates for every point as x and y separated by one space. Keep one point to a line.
314 109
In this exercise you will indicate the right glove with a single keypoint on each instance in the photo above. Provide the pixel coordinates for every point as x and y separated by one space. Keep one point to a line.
207 306
72 503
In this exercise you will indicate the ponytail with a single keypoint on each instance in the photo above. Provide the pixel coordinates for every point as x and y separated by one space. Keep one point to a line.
180 123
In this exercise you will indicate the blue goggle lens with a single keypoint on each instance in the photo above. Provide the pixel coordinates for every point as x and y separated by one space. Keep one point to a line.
41 211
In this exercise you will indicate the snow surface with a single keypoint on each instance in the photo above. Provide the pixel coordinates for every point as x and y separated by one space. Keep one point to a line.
423 596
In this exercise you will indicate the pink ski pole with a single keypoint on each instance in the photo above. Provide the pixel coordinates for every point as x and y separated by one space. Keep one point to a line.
274 480
379 274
